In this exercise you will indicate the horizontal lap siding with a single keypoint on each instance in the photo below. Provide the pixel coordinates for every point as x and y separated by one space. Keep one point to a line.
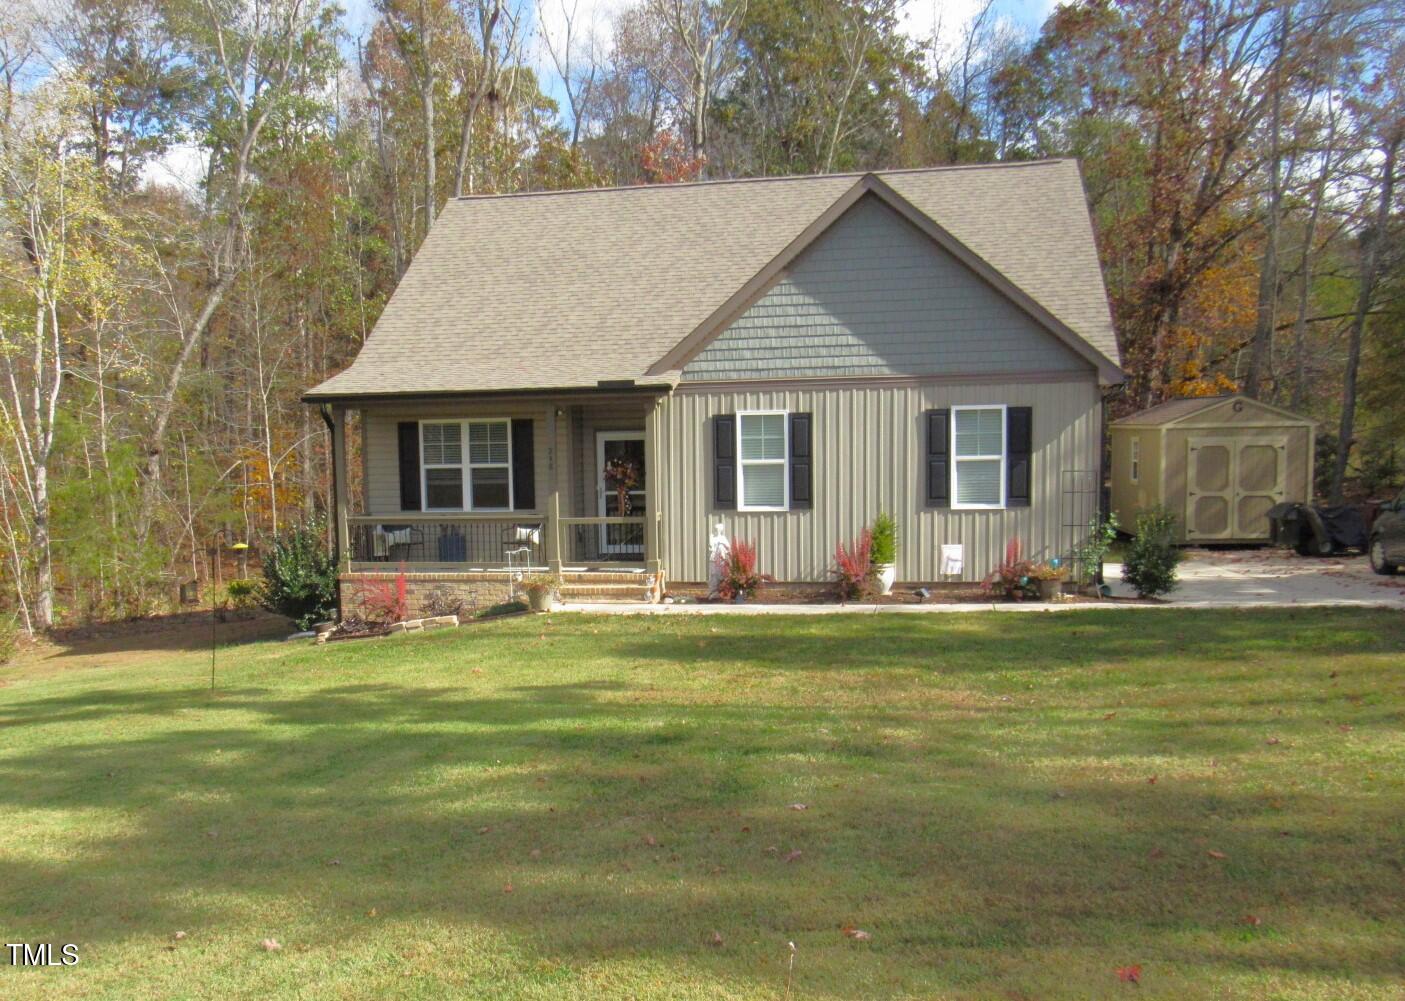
383 445
869 457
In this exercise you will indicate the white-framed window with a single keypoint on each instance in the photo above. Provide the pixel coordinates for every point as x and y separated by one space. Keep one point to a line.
1136 459
978 457
478 478
762 448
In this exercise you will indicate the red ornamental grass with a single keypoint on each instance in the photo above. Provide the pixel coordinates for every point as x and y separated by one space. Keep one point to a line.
738 570
854 566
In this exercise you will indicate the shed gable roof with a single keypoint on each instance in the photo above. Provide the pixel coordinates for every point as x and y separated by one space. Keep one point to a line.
1176 411
567 290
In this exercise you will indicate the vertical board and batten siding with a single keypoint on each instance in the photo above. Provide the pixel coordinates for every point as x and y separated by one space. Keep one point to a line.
875 296
869 449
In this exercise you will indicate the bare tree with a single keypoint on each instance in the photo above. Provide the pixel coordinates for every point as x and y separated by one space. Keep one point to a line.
576 56
704 33
497 29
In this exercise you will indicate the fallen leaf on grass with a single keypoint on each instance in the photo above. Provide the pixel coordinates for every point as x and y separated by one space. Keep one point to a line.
798 806
1156 853
1216 855
793 854
1109 715
1345 728
716 939
1151 781
371 913
535 853
1271 741
178 936
1253 920
651 841
270 945
335 861
857 934
1130 974
507 888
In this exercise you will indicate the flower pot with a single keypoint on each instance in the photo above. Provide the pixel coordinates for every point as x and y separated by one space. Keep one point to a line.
541 599
1049 589
740 599
886 574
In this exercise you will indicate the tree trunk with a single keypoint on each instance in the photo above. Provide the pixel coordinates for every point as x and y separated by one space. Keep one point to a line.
1261 353
1370 263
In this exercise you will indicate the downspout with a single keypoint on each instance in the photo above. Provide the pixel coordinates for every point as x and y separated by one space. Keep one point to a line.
326 411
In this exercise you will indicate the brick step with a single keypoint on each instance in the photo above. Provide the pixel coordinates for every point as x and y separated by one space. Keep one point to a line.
604 592
604 577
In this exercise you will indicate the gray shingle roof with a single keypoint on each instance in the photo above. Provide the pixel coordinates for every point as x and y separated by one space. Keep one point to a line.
558 290
1176 410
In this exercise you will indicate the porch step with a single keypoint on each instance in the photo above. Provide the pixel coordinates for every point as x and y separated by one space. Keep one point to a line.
605 592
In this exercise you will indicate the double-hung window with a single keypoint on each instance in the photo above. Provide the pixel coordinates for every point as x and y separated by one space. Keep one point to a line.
978 453
762 447
1136 459
481 477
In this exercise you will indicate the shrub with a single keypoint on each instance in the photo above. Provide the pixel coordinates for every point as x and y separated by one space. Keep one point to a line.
300 576
885 540
1152 557
737 568
503 608
1088 555
242 593
853 567
384 601
1014 578
442 601
9 638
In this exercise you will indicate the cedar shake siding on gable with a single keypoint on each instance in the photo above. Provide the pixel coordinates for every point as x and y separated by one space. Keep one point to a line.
873 296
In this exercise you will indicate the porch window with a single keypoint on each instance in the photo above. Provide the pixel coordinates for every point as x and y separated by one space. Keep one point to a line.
978 450
763 448
485 479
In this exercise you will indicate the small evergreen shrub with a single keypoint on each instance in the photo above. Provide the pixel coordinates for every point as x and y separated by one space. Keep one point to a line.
885 540
300 576
1151 561
242 593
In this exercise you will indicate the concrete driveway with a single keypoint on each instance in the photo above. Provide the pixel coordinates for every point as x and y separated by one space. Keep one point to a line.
1238 578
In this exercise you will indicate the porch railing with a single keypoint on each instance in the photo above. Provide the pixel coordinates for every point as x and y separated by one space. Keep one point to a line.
460 540
602 540
467 541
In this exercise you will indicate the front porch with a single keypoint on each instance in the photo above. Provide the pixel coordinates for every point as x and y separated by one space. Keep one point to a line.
477 493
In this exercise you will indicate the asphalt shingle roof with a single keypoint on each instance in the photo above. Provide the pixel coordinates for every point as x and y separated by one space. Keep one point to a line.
558 290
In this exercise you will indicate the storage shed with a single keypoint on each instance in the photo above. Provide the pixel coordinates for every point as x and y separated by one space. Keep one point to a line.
1219 463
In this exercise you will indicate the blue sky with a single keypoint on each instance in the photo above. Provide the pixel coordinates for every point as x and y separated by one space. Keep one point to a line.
920 17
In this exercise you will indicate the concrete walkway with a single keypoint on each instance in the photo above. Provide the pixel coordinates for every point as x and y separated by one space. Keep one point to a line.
1225 579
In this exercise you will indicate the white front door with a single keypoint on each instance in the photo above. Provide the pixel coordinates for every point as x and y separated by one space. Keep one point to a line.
621 451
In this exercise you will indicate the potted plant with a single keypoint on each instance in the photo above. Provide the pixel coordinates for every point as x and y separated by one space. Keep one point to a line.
1049 576
1011 579
541 591
884 552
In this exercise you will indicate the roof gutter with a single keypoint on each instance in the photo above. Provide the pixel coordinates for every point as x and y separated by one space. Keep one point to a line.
625 387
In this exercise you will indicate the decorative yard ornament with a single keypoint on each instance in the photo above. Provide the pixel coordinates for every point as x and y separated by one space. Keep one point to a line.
718 549
238 547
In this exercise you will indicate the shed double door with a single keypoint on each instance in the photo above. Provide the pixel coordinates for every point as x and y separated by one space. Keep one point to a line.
1231 484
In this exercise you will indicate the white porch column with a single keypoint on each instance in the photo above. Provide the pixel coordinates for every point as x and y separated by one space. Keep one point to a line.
654 482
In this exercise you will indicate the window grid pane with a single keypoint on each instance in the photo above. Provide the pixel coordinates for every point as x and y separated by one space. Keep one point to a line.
763 436
763 485
980 432
442 445
487 443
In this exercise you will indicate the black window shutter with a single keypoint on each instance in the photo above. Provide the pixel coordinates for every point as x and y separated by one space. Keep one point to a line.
524 468
1019 443
409 434
939 458
724 462
802 463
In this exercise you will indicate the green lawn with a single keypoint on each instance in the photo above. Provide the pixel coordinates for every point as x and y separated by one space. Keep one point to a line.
1014 806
